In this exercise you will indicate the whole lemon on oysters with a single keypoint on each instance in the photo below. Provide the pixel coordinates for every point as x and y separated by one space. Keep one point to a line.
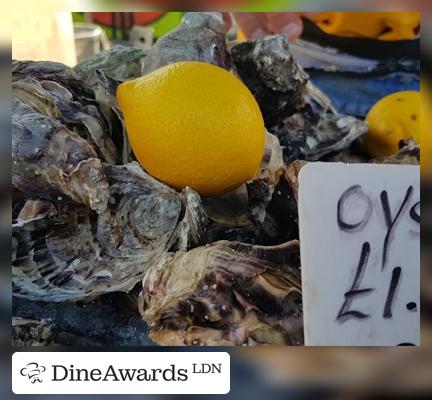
194 124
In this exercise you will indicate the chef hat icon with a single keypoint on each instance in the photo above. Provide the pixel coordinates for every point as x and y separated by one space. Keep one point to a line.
32 371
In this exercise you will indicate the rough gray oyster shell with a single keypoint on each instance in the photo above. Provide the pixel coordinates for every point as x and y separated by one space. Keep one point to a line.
315 132
67 252
294 110
103 73
105 91
55 90
120 63
225 293
273 76
51 162
199 37
51 71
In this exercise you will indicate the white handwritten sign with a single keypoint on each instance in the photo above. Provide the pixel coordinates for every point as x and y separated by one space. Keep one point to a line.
360 254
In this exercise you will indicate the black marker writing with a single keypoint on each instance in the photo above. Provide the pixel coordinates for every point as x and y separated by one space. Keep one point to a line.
391 292
357 191
415 216
345 312
389 221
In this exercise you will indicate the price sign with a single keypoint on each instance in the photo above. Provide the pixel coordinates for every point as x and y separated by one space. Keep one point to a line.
360 254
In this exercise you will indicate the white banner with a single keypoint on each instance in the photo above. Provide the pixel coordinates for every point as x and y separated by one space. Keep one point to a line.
120 373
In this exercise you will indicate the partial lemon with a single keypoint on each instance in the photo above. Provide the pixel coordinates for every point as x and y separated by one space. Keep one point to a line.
392 119
194 124
390 26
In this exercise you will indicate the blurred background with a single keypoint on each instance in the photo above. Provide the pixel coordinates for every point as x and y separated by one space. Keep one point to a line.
69 31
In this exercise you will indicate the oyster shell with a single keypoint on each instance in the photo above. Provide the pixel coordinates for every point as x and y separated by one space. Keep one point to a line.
50 161
270 71
315 133
51 71
105 91
272 204
119 63
56 91
229 220
229 212
298 113
199 37
318 133
31 332
409 154
273 153
264 212
226 293
34 210
103 73
352 155
73 253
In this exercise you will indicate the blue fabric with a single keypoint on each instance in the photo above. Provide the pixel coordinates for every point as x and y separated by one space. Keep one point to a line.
355 94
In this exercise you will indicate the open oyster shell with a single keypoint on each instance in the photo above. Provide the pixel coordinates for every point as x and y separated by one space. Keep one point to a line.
51 162
67 252
226 293
317 131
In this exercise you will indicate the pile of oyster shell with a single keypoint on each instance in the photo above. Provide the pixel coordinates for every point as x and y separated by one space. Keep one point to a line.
88 220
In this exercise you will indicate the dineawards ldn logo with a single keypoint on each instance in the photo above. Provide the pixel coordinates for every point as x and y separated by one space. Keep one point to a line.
121 373
33 371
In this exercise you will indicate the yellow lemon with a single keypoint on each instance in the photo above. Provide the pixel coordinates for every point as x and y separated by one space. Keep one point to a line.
392 119
194 124
391 26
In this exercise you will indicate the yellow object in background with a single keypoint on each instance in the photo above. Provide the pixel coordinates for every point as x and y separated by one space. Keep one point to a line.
241 37
426 128
194 124
378 25
392 119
